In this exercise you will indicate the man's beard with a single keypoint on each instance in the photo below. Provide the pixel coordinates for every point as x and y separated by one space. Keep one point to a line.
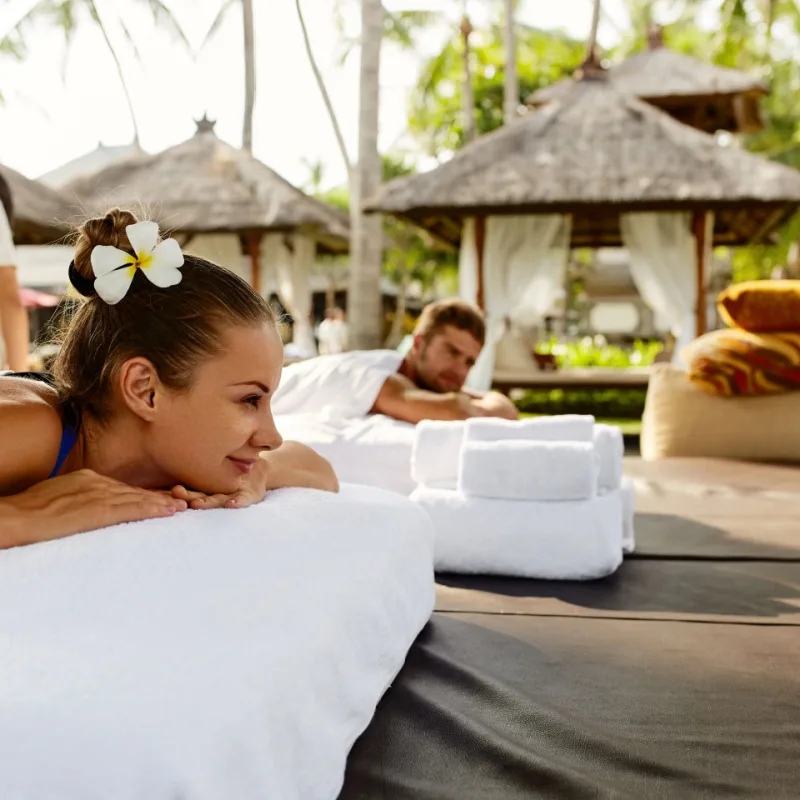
421 382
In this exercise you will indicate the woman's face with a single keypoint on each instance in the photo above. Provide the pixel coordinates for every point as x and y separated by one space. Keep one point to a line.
209 437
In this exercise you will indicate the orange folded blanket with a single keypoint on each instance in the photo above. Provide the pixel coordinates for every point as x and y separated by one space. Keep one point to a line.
761 306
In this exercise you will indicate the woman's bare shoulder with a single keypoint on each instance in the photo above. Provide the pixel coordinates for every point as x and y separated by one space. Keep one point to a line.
30 433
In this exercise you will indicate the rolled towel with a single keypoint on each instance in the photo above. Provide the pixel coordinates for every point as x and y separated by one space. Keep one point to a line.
573 540
628 493
610 451
563 428
435 453
528 470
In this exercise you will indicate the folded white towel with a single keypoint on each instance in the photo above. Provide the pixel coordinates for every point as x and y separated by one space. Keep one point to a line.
628 492
563 428
435 452
526 470
573 540
610 451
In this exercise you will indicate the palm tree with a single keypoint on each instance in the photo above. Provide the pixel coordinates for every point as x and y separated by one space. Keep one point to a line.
249 74
249 31
366 252
69 15
467 96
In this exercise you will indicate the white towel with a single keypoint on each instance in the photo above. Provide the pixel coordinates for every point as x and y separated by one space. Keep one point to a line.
217 654
526 470
435 452
341 386
573 540
610 451
563 428
628 492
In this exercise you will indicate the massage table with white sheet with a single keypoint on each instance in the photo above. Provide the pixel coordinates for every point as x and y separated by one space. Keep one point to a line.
217 655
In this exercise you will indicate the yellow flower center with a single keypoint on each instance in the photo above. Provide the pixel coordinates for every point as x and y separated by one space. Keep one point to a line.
141 261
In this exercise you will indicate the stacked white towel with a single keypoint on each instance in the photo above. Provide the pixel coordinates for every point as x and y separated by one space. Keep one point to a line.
571 540
565 428
528 470
538 498
435 453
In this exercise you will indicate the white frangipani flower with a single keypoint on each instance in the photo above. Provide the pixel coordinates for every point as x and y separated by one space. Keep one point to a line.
114 268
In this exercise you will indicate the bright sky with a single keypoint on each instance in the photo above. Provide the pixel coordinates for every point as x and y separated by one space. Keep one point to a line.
53 115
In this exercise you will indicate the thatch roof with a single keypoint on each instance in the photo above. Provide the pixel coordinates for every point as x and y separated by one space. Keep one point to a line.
695 92
594 154
204 185
41 214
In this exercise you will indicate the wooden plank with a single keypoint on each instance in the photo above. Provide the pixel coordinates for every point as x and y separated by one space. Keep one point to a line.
480 247
573 378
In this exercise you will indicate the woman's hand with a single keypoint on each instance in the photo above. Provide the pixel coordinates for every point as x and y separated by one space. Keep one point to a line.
75 503
293 464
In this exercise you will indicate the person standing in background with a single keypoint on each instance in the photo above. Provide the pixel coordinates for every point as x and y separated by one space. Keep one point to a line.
14 322
332 333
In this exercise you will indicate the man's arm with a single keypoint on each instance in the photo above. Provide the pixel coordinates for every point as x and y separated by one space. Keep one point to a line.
494 404
403 400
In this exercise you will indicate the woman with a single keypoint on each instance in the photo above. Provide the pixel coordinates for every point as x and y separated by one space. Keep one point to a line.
160 398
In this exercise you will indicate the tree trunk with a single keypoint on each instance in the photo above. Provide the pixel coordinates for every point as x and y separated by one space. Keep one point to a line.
511 81
249 74
396 333
467 97
366 250
591 45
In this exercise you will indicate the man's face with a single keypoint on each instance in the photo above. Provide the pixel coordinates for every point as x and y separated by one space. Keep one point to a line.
444 361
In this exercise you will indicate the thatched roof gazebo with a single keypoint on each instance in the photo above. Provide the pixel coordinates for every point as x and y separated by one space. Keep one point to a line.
703 95
205 185
597 154
41 214
221 202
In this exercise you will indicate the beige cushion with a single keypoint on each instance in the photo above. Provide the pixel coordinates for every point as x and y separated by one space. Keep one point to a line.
681 420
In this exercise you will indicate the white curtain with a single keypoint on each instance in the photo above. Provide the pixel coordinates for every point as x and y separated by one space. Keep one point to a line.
663 261
224 249
523 270
293 266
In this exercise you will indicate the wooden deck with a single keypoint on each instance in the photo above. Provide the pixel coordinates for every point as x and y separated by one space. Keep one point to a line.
574 378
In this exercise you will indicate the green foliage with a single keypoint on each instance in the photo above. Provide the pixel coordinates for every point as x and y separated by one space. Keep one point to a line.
591 353
618 403
411 256
435 116
625 404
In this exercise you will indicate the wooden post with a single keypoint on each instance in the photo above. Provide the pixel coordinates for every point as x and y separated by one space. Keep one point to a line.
480 246
254 251
699 230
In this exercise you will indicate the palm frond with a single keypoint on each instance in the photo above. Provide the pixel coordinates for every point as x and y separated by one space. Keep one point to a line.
162 14
218 20
131 40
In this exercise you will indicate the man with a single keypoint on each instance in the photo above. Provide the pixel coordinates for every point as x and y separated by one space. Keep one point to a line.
447 341
427 384
14 322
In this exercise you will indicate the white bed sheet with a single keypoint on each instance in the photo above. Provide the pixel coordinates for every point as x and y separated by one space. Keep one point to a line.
219 654
373 450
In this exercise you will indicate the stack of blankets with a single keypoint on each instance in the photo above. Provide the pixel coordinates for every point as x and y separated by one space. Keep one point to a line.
536 498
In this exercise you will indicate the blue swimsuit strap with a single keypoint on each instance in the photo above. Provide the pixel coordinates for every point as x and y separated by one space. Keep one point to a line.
68 438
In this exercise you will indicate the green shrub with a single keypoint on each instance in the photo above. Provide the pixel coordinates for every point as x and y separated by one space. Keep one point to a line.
617 403
595 353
